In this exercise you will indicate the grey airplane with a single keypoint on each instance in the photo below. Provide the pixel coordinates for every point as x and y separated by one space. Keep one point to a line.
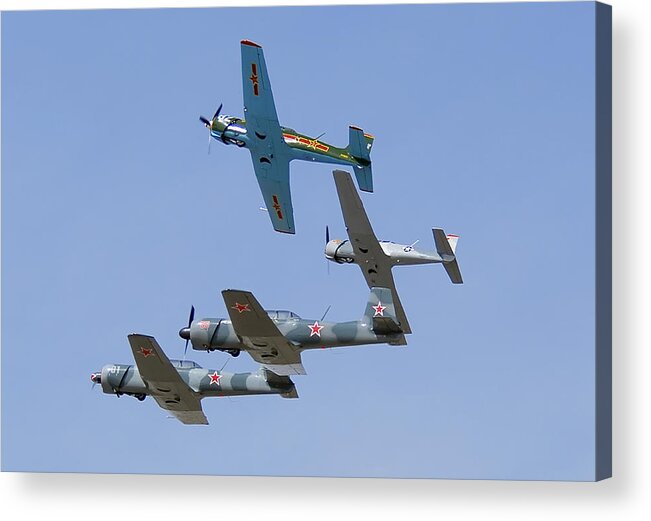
376 258
276 338
178 386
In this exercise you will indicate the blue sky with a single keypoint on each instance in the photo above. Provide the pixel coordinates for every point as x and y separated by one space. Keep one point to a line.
116 220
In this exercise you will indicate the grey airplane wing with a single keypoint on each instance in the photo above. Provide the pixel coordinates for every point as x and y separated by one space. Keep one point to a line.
266 344
267 146
164 382
375 264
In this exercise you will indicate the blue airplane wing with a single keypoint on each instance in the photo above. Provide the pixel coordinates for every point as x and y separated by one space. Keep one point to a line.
259 108
273 178
268 149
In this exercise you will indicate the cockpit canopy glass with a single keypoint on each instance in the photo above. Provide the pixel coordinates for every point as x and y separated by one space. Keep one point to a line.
185 364
282 315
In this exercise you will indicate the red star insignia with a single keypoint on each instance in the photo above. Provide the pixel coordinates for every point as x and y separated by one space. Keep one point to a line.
204 324
144 351
214 378
254 79
379 309
315 329
241 308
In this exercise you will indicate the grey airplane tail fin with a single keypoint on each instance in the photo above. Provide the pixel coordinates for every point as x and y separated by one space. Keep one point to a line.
381 314
446 246
359 146
281 382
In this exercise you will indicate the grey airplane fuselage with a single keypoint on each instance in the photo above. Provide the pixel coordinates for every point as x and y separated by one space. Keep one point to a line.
232 130
211 334
342 252
125 379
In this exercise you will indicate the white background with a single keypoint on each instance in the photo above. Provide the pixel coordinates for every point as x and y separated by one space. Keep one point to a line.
626 495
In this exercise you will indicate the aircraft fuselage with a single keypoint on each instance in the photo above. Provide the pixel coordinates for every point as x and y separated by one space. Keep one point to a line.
211 334
232 130
342 252
125 379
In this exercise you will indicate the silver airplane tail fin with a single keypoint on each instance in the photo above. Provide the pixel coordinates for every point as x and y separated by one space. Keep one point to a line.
446 246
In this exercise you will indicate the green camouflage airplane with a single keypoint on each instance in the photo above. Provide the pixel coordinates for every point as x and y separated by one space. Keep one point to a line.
272 147
276 338
179 385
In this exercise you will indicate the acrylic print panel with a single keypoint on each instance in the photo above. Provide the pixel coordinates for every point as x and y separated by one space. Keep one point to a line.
116 220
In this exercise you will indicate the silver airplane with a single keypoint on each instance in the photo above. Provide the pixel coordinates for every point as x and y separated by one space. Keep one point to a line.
276 338
376 258
178 386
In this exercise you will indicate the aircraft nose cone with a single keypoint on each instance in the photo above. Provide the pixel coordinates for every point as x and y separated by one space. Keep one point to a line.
185 333
96 378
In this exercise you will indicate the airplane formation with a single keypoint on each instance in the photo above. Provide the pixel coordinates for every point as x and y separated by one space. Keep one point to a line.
276 338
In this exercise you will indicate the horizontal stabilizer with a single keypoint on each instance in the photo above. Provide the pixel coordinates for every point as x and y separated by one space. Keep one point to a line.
364 177
292 393
445 246
359 146
282 382
286 369
386 326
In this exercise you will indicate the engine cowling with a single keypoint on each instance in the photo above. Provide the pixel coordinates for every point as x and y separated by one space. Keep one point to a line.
203 333
339 251
120 379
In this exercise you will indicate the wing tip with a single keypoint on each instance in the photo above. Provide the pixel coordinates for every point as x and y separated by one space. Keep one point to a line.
250 43
288 232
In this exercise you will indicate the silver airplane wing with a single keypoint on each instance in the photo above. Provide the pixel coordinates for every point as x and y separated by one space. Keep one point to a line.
164 382
265 343
370 257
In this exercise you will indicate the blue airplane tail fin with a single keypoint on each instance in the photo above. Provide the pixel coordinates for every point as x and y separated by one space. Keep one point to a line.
364 176
359 146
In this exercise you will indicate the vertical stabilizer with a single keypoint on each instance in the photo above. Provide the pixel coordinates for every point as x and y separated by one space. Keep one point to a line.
380 313
452 239
446 246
